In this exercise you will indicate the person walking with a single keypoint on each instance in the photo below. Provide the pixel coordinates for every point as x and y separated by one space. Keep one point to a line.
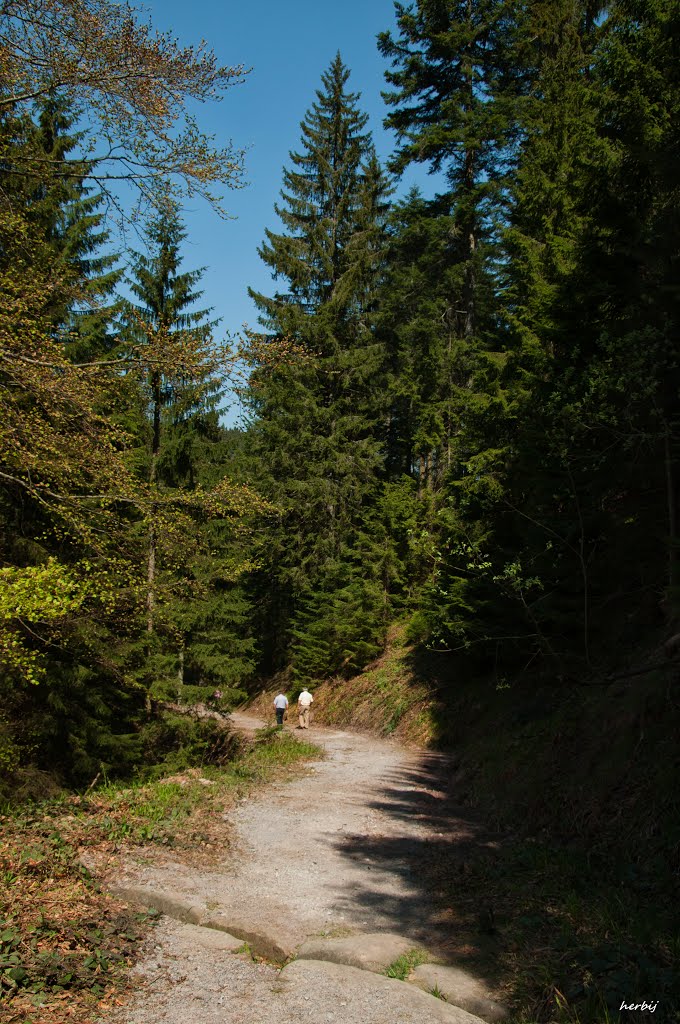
304 702
280 705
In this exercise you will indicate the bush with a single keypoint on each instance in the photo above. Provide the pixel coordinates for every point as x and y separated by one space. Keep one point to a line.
173 743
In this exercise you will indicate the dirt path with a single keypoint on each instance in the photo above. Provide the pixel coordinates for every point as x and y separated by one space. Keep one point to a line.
335 853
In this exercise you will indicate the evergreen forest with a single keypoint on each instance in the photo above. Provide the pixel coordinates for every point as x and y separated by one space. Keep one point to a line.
461 409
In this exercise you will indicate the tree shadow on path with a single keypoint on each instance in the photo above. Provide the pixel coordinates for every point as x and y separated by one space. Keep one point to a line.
421 854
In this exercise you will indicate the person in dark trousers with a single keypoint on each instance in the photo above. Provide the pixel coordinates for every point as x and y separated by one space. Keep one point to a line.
280 705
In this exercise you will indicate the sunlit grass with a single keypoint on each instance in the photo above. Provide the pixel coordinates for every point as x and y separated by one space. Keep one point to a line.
404 964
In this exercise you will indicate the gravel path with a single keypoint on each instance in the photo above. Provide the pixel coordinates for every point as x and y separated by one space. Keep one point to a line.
333 853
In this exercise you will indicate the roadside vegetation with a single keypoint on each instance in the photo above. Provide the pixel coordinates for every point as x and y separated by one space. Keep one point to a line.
404 964
66 944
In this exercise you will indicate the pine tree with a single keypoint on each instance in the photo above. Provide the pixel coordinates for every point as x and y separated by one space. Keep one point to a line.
319 417
454 99
68 212
195 609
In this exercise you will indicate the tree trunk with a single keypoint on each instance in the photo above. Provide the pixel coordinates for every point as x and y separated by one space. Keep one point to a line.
155 449
672 506
180 674
151 555
469 225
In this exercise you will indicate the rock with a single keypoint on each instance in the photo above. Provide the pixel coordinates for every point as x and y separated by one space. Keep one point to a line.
373 952
272 942
461 988
164 902
193 935
370 997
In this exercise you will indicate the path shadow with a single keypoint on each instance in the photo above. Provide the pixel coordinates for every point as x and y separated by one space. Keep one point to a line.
429 846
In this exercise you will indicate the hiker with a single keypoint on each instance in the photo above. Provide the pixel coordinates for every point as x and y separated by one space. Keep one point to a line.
280 705
304 701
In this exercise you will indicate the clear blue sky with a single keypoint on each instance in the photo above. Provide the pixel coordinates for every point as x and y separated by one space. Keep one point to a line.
288 45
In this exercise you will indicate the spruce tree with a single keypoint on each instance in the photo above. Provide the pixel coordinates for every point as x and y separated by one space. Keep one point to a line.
453 89
318 419
454 99
194 607
565 546
82 306
545 502
621 303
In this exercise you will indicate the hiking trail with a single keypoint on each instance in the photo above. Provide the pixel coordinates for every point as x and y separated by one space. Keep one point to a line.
325 869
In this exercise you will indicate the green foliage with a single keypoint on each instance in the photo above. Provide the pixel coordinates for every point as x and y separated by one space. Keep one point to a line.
528 314
276 748
197 627
339 627
72 499
317 416
404 964
172 743
46 592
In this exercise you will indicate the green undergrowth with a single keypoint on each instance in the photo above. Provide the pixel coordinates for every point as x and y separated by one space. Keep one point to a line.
65 944
386 698
404 964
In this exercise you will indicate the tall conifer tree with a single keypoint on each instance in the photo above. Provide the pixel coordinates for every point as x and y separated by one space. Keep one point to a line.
197 628
83 306
318 419
454 94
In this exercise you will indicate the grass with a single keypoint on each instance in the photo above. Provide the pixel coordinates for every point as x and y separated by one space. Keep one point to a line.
65 944
385 698
572 939
245 949
404 964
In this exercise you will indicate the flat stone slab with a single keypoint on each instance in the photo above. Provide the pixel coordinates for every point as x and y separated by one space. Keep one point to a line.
370 952
193 935
274 944
272 941
360 997
461 988
164 902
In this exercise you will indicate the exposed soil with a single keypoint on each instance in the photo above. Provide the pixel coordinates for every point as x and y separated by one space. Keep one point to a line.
346 849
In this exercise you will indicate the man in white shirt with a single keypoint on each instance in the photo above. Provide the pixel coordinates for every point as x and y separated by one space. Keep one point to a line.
304 701
280 705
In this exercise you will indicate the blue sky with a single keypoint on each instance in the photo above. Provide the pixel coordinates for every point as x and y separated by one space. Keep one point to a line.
288 46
